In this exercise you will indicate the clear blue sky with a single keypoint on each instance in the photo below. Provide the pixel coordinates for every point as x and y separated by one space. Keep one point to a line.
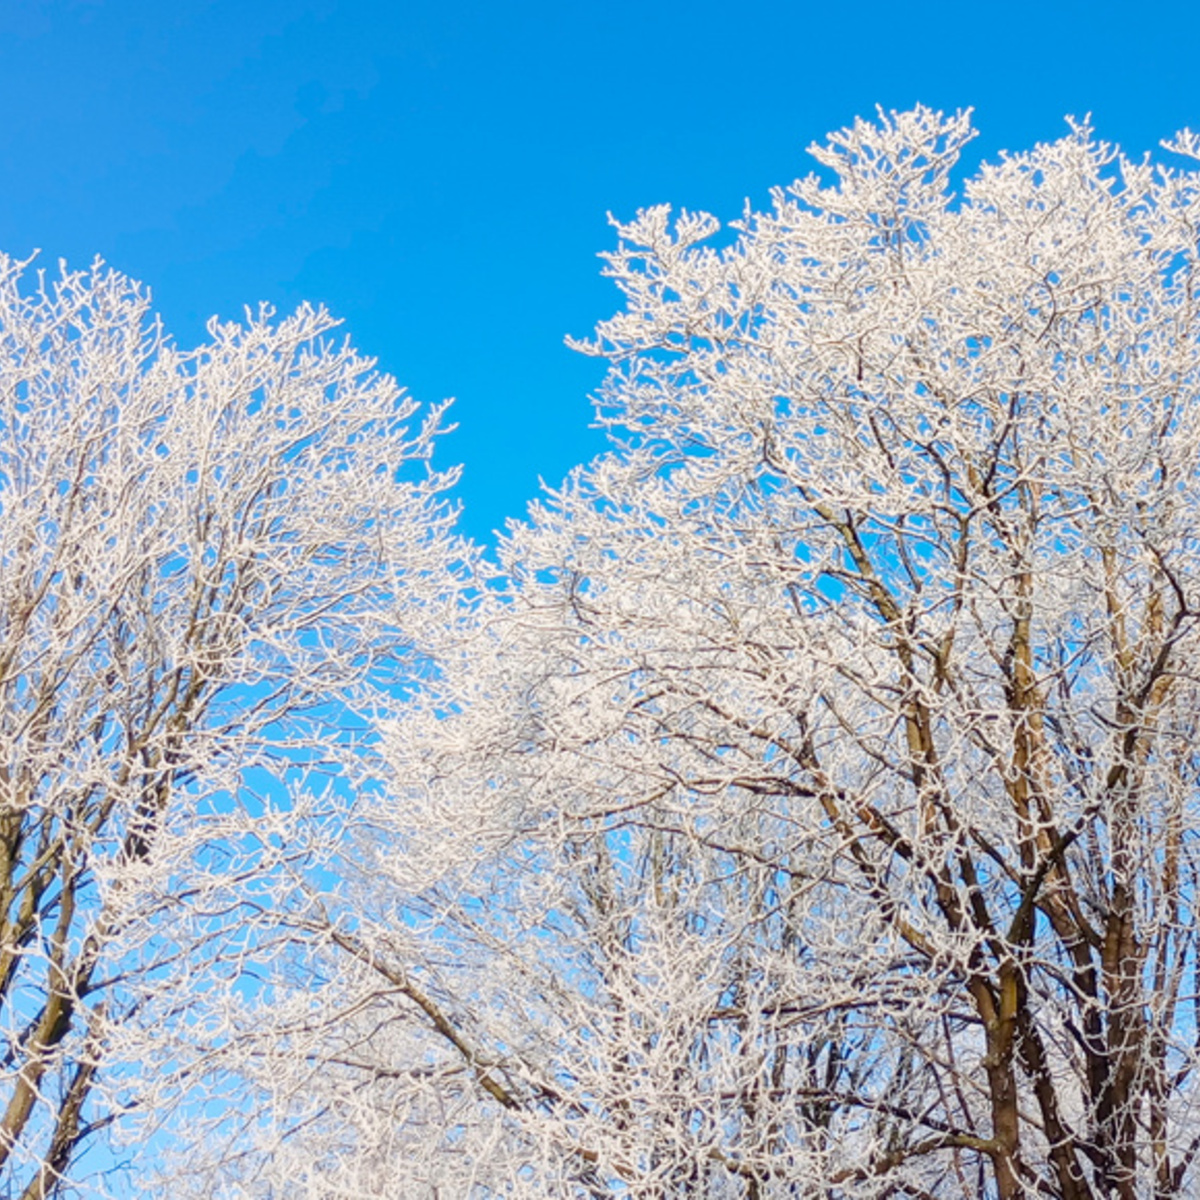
439 174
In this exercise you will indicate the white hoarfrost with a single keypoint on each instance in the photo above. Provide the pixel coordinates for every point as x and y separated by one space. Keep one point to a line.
809 807
813 811
206 563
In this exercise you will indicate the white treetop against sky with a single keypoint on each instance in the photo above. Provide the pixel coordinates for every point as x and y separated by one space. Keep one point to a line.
813 812
200 559
807 806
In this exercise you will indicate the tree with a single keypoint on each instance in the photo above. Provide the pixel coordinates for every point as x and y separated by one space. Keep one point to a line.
813 810
204 565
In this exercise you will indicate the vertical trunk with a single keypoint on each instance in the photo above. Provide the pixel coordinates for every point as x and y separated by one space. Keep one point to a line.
998 1012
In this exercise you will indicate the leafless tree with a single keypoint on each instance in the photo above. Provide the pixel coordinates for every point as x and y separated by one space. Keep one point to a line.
204 560
812 811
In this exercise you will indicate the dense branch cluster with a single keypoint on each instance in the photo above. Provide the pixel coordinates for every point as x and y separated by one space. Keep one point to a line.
200 556
807 806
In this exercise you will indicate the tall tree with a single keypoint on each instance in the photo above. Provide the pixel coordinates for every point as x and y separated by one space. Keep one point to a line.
203 561
814 812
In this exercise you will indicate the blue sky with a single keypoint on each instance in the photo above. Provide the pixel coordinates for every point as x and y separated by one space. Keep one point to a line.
439 174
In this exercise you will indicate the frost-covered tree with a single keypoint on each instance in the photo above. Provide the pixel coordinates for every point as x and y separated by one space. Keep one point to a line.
814 809
204 559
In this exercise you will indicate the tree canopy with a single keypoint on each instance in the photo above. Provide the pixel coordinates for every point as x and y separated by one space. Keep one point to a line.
807 803
205 558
